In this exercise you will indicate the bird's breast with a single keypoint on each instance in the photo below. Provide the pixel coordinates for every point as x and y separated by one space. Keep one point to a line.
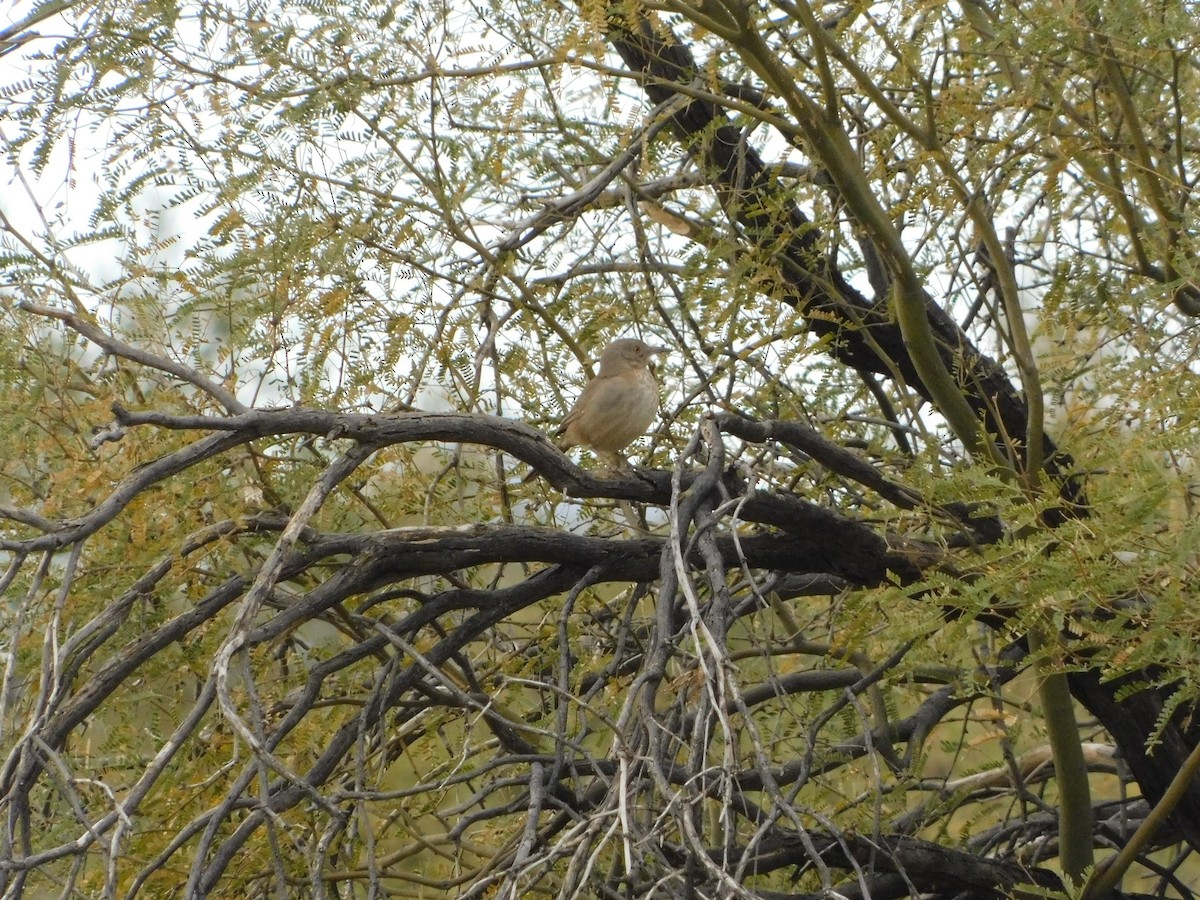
616 411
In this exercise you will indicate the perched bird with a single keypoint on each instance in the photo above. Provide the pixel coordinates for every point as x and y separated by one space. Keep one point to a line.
615 407
618 405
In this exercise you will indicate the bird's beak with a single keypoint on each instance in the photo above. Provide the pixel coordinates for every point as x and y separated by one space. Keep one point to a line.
654 351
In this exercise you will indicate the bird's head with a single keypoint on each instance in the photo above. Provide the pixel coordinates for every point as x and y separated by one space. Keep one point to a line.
627 353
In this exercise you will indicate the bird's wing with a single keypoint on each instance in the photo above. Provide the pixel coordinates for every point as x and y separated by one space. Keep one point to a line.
593 387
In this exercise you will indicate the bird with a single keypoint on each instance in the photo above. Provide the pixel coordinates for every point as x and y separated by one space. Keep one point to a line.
618 405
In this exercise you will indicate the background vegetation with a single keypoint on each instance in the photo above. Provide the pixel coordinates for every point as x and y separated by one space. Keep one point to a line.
901 599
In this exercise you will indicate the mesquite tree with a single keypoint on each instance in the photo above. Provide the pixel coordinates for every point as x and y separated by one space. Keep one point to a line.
897 597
